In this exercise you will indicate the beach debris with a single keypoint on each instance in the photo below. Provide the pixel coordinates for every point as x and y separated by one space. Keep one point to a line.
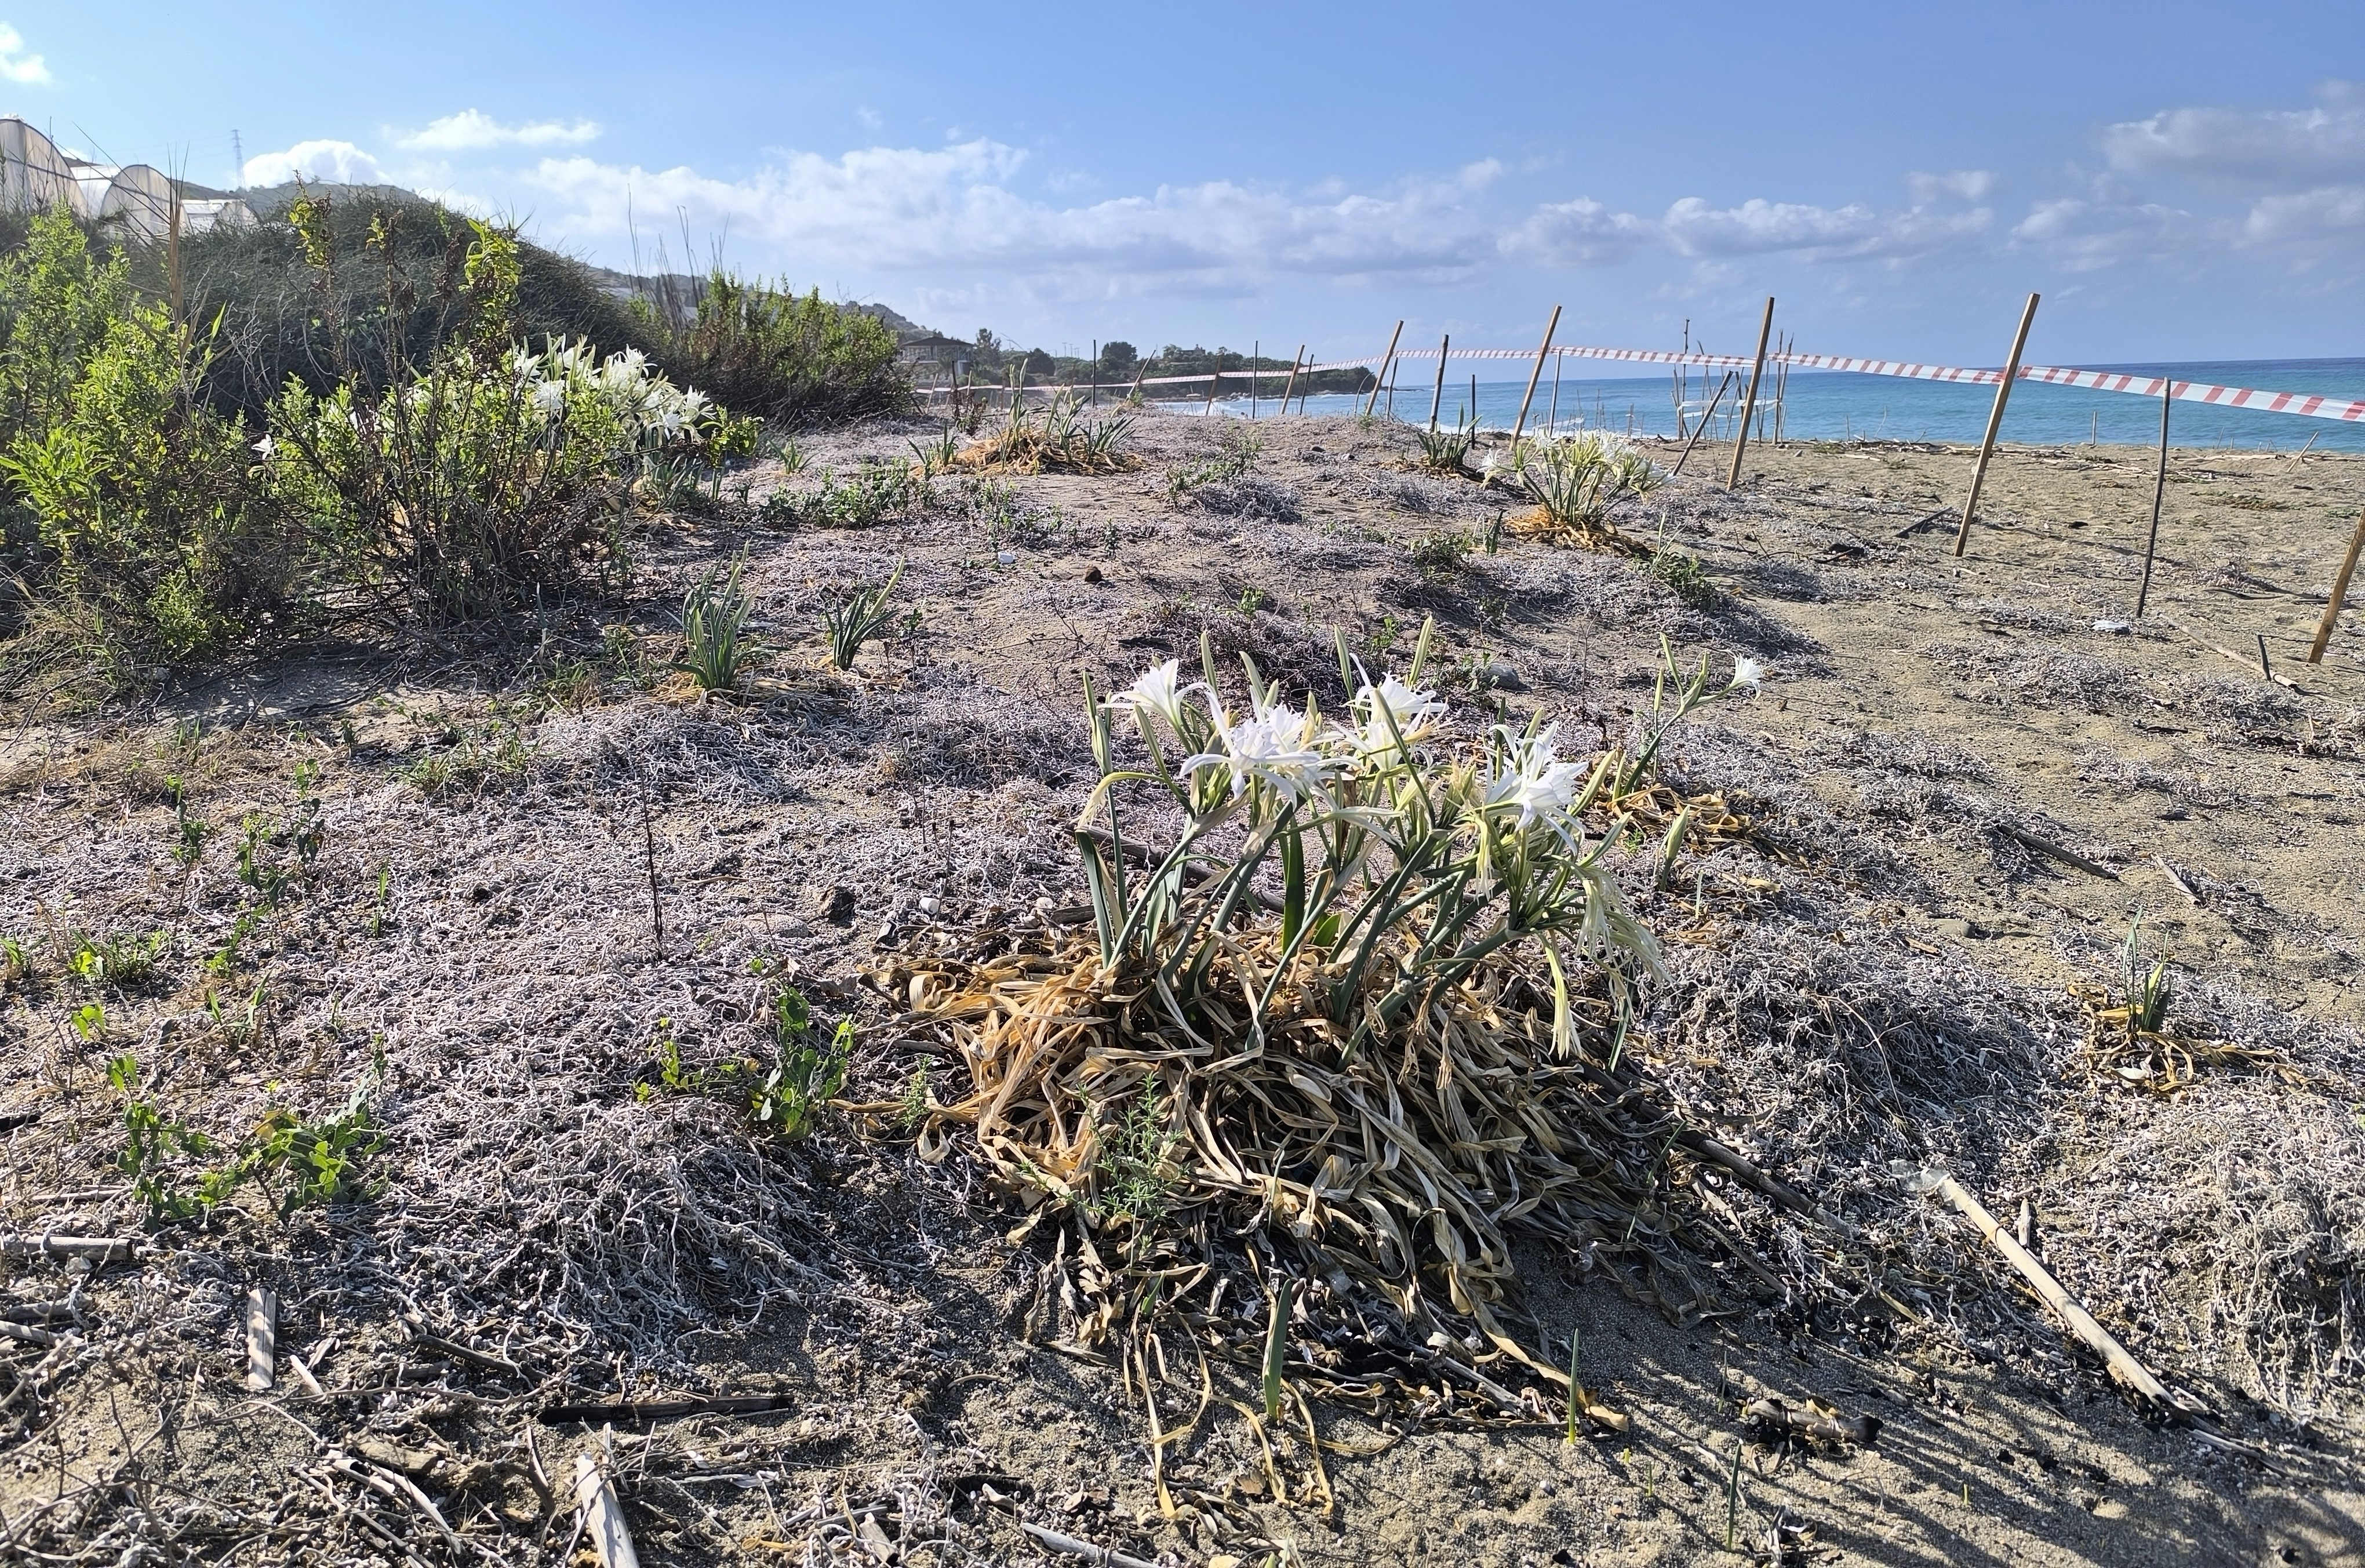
262 1338
2113 628
600 1516
1819 1421
92 1248
1069 1546
638 1410
2053 851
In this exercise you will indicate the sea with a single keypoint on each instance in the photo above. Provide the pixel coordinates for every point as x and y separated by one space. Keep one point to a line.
1819 404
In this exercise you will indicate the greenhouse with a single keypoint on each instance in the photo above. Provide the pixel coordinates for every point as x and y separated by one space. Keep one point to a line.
137 200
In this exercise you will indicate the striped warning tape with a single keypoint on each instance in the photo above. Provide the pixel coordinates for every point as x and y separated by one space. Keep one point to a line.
2311 404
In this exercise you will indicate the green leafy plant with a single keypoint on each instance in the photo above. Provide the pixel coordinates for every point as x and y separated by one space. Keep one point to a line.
862 616
296 1162
1397 874
806 1072
763 349
1131 1167
16 961
1441 553
1634 765
1253 599
714 619
1448 451
118 962
1276 1347
1574 480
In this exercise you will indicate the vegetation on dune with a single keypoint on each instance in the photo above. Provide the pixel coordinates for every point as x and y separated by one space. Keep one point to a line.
791 359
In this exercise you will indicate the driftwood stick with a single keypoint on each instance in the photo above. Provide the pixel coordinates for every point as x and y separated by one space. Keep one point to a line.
1387 359
1533 376
25 1334
2128 1372
1069 1546
97 1249
2051 850
262 1338
1706 414
1772 1186
1749 403
1861 1430
602 1516
636 1411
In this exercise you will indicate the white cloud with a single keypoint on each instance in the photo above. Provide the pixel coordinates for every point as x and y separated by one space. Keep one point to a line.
1576 233
28 70
473 128
2328 212
956 205
1758 227
337 163
1956 185
2087 235
2248 147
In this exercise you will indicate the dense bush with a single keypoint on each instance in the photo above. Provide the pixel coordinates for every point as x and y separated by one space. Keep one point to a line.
791 359
483 471
376 285
137 524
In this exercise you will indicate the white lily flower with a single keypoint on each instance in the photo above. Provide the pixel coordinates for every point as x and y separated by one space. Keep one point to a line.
1415 713
1749 673
549 397
1157 692
1274 747
1534 782
524 363
266 446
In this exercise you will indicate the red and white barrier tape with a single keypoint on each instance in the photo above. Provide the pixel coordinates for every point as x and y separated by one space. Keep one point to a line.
2311 404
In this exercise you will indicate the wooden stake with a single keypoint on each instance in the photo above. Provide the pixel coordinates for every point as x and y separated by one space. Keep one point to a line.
1749 407
1256 356
1140 368
1096 374
2340 594
1995 423
1551 419
262 1338
1534 376
1701 429
1214 380
2158 494
1437 397
1290 384
1386 360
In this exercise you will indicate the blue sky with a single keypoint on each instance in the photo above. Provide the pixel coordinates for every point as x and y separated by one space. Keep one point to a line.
2181 181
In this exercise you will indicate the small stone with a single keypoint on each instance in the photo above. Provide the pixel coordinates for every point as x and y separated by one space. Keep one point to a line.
1502 676
836 905
1091 573
929 906
1007 557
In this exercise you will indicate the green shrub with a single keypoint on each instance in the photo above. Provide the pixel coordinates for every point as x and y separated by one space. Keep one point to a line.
791 359
487 472
143 531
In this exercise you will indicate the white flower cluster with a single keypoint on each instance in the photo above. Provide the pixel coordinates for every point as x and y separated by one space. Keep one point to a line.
1298 758
652 410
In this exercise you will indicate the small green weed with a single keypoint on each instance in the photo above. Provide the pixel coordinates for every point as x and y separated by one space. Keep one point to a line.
1253 599
120 962
1129 1176
1448 452
1681 570
495 751
1441 553
297 1162
805 1074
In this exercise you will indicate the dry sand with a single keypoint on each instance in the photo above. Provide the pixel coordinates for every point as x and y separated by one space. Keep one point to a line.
1888 979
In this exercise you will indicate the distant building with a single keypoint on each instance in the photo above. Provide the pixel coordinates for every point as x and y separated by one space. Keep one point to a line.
135 201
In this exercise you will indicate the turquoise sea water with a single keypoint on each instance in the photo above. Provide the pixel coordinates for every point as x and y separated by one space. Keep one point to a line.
1834 406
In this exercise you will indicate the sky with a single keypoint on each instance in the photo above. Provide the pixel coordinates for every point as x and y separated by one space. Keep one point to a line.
2179 181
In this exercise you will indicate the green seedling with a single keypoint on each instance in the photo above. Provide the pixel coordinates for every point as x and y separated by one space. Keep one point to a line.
861 617
1276 1348
2148 995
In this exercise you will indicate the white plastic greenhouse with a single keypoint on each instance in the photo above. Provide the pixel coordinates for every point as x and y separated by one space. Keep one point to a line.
136 201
